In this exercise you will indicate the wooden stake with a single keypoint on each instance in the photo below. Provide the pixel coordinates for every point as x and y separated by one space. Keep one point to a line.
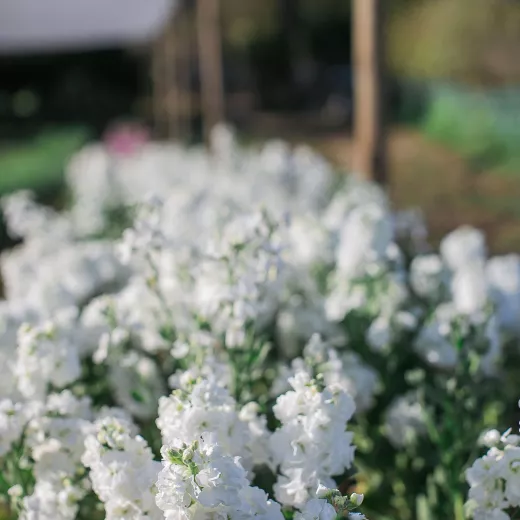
210 64
158 89
171 81
369 90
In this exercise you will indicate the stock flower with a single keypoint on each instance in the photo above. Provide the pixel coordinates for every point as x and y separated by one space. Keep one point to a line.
462 247
267 299
312 444
122 471
200 481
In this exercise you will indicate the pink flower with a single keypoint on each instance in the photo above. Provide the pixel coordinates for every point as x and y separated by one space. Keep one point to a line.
126 138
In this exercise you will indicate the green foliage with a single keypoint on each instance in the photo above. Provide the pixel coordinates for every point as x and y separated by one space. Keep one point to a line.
479 125
39 164
425 480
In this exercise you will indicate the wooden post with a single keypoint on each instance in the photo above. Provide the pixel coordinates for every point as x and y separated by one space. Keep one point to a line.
369 90
171 81
158 90
184 73
165 104
210 64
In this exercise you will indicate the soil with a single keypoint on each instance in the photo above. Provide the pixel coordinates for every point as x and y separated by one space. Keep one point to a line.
448 188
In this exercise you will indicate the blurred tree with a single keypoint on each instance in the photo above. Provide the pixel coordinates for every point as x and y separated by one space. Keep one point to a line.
474 41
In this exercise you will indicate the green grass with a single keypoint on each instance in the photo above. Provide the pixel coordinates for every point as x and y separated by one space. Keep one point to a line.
39 164
481 126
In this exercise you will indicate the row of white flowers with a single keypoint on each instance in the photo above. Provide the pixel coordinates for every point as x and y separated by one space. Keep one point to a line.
243 317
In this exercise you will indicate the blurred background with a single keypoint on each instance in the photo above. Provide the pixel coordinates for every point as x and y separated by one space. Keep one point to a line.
71 70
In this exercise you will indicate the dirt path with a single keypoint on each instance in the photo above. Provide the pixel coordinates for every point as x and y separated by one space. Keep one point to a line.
426 175
442 183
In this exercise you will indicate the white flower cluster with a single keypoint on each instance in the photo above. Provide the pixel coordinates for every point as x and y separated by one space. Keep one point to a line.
199 480
312 444
273 298
122 471
54 442
344 370
494 479
203 406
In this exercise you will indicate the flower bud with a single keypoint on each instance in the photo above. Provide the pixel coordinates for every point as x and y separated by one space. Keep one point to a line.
357 499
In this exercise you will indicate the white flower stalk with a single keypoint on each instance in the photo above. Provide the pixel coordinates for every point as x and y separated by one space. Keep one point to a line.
435 341
145 237
317 509
137 384
312 445
344 370
212 368
301 314
202 406
12 315
85 270
44 359
503 278
237 277
463 247
428 277
330 505
381 292
405 420
28 219
55 438
53 500
469 289
199 481
13 418
364 240
494 481
122 471
56 434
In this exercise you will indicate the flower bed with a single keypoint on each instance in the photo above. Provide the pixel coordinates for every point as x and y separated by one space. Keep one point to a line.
248 335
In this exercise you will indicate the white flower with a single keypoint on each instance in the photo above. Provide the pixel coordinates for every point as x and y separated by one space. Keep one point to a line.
137 384
122 471
13 418
427 276
494 478
503 277
43 359
379 334
312 444
317 509
200 481
405 420
205 406
365 237
469 289
490 438
462 247
357 498
343 370
52 501
433 342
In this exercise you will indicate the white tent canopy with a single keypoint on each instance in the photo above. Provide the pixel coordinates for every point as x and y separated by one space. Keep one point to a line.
34 26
